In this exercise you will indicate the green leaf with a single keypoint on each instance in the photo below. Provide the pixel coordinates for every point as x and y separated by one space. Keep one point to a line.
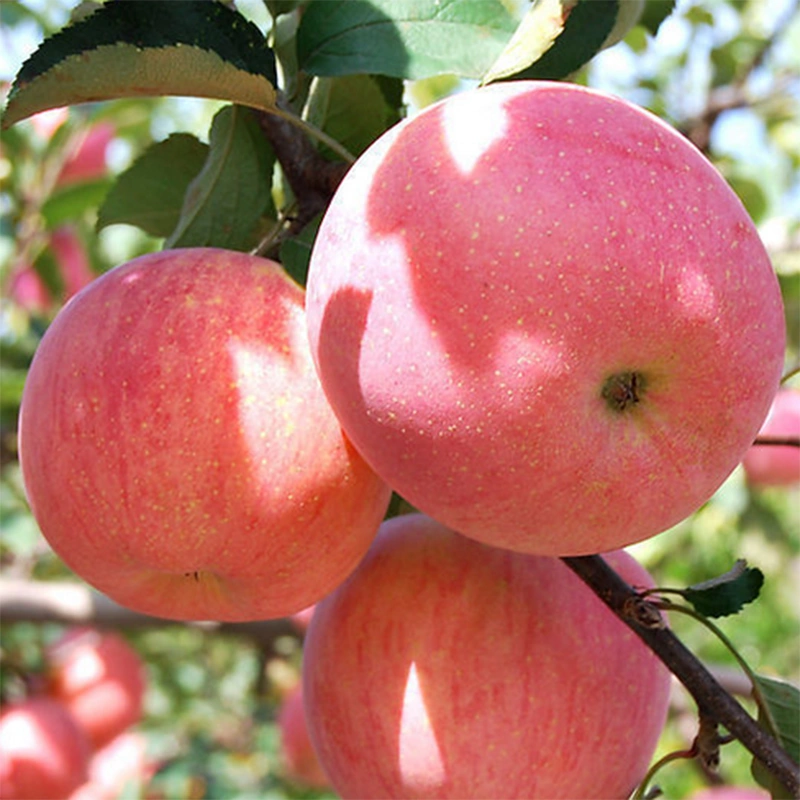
137 48
352 109
71 202
150 193
726 594
408 39
233 190
783 701
555 38
654 13
296 252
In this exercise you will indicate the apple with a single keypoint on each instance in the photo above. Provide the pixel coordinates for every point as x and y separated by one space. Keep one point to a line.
73 260
87 161
443 667
300 762
27 290
544 318
774 465
177 448
100 678
26 286
121 763
43 751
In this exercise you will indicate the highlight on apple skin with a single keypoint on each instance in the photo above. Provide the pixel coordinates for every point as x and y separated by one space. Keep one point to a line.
446 668
534 282
208 476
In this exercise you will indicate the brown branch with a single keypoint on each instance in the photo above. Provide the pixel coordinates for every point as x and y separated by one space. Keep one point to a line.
76 604
713 702
781 441
312 178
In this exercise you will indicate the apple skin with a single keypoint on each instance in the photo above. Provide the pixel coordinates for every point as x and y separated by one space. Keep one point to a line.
491 267
300 762
43 751
177 448
447 668
100 678
773 465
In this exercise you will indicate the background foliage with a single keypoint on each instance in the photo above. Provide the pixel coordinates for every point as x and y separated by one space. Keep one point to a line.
725 73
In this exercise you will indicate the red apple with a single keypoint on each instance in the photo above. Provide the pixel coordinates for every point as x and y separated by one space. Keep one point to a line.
774 465
177 448
447 668
544 318
300 762
43 751
100 678
122 762
87 161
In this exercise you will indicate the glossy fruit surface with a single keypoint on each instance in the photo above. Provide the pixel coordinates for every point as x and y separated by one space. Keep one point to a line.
544 318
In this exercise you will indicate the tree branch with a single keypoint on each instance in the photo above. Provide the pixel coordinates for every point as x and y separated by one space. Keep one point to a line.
712 700
312 178
77 604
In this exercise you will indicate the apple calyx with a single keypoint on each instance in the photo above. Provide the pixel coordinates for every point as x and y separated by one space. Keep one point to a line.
623 390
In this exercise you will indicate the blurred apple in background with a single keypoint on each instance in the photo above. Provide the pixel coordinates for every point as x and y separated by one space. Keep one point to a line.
87 160
26 286
44 753
120 764
300 762
100 678
774 465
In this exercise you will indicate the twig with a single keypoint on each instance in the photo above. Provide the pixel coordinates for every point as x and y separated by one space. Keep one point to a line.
712 700
76 604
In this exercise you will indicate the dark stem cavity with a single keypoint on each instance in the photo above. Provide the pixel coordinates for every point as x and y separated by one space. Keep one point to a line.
623 390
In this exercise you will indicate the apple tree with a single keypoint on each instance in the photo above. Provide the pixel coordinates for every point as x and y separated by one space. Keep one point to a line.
289 286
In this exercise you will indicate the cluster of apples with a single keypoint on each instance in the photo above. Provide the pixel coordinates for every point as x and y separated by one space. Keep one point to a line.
73 738
535 312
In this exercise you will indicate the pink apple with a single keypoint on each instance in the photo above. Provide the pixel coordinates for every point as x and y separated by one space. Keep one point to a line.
73 260
100 678
177 448
27 289
773 465
447 668
43 751
87 162
300 762
544 318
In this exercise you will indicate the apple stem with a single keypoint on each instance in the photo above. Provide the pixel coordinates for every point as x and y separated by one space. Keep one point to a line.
713 702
